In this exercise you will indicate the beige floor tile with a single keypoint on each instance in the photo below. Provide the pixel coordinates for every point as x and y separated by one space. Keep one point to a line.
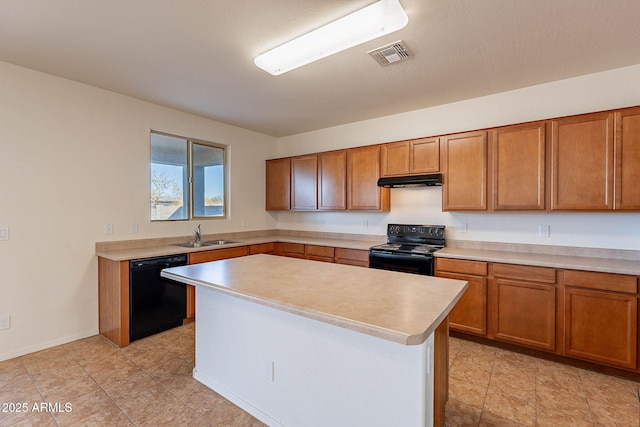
84 407
510 407
615 414
47 380
609 389
70 390
559 377
169 365
520 386
492 420
59 361
111 417
10 369
458 414
467 392
31 419
174 414
551 418
553 400
150 382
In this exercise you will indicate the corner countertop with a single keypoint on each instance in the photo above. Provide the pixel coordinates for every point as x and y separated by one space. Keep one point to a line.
399 307
162 247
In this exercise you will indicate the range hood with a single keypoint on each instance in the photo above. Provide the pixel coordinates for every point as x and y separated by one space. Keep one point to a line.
411 181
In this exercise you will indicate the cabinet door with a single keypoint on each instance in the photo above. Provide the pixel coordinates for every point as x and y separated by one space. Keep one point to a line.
470 312
278 184
525 313
332 180
395 158
518 167
582 162
465 172
363 171
601 326
304 185
628 159
425 156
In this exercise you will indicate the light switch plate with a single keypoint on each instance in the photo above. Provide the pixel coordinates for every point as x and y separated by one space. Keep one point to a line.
4 233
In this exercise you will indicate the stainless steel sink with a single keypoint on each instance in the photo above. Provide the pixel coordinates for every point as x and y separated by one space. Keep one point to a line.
203 244
191 245
218 242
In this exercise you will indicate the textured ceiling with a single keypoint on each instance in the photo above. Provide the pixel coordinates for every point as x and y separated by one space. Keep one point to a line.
197 55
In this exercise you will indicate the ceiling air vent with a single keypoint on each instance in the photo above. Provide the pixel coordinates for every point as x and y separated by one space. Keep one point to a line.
394 52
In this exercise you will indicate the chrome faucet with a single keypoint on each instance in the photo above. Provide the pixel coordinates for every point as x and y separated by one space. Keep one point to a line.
198 236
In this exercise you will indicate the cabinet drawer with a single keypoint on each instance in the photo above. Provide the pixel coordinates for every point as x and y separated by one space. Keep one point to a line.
205 256
602 281
262 248
477 268
525 272
292 248
352 254
321 251
352 257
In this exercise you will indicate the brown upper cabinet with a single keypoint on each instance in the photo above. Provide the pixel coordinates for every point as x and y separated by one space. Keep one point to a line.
588 162
332 180
278 181
363 171
627 190
582 173
304 184
464 163
518 167
413 157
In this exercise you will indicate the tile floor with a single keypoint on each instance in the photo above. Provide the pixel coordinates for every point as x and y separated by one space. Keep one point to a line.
150 383
494 387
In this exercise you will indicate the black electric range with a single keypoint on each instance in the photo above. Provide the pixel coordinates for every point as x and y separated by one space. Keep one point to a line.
409 248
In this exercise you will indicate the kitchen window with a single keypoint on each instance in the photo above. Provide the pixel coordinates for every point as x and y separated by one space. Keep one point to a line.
187 178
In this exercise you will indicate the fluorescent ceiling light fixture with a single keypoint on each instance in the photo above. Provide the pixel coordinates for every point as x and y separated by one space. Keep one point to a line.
376 20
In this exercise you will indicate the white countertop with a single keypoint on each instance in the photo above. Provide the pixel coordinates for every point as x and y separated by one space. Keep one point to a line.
399 307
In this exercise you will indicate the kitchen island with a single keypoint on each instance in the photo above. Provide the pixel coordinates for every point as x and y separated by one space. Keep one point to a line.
300 342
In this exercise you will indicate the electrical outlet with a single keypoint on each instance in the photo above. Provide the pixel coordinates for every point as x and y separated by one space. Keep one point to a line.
5 321
365 224
462 228
4 233
134 228
245 222
268 370
108 229
544 230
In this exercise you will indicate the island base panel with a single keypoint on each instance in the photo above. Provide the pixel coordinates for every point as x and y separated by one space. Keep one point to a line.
289 370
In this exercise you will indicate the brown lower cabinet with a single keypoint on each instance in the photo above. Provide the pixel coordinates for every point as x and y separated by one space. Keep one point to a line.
601 318
470 313
584 315
524 305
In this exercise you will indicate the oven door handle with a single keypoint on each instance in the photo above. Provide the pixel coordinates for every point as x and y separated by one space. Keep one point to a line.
396 256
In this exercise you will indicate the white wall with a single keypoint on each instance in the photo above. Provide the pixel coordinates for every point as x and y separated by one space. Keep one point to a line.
72 159
595 92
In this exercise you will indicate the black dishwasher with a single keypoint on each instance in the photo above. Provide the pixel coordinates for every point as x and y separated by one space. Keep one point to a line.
155 303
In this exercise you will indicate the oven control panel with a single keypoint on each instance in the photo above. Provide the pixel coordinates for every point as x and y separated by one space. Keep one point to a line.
429 231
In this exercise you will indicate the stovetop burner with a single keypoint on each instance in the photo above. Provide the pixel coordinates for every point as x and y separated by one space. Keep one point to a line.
420 240
408 248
